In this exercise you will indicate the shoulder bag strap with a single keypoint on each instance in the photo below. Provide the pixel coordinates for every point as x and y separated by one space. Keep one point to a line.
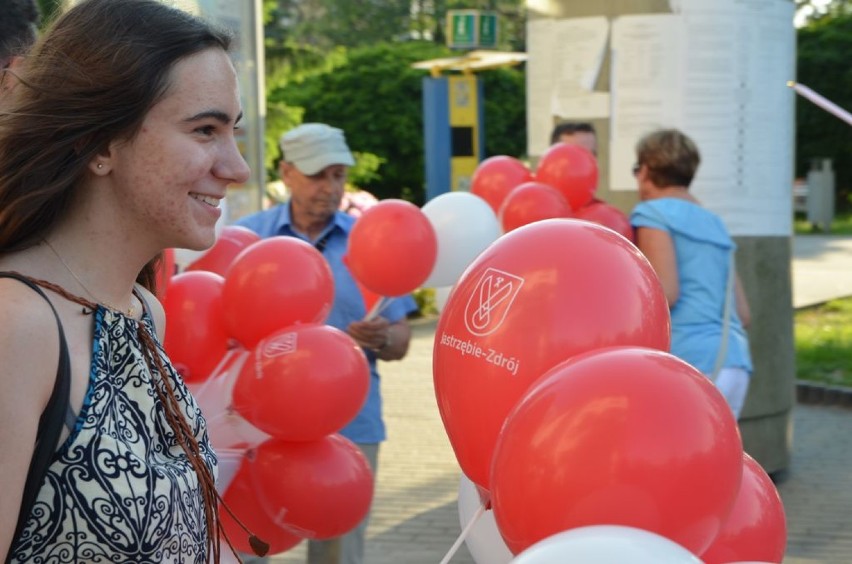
51 421
726 307
726 319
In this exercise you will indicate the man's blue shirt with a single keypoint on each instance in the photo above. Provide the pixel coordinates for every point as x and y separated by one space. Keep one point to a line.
368 426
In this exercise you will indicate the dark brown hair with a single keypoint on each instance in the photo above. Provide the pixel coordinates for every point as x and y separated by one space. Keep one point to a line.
89 81
670 156
569 128
17 28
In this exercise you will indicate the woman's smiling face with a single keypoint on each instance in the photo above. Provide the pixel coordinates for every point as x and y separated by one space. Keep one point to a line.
169 179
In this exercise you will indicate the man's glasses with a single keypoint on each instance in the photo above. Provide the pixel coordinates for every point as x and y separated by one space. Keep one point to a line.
636 168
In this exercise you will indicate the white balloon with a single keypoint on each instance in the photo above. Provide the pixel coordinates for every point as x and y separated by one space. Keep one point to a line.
464 225
226 428
606 544
185 257
483 541
230 460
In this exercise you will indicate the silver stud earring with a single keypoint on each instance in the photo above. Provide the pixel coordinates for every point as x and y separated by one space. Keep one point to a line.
100 165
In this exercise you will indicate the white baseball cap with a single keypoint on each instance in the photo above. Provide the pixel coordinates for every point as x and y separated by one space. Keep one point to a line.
311 147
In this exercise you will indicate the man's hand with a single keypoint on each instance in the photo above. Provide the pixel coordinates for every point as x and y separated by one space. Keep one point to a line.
374 334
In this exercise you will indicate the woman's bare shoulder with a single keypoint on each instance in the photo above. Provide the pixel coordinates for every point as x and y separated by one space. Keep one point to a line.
29 342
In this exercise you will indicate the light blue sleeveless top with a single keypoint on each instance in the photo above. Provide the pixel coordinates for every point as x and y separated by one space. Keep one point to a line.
703 251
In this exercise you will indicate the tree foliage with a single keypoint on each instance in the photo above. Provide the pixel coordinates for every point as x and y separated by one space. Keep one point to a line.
824 48
376 97
325 24
814 10
349 64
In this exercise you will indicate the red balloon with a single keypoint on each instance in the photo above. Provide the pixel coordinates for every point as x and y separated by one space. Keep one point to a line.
196 339
531 202
392 248
231 241
318 489
622 436
370 298
541 294
275 283
608 216
302 383
496 176
572 170
756 528
242 499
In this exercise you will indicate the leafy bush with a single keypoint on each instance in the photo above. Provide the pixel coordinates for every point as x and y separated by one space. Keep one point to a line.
824 46
376 98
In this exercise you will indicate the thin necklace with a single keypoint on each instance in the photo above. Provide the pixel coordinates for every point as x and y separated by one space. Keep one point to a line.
129 311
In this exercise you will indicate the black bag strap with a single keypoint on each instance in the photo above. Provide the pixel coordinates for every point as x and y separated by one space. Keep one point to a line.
51 421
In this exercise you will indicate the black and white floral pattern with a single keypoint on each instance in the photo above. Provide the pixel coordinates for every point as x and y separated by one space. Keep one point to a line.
120 489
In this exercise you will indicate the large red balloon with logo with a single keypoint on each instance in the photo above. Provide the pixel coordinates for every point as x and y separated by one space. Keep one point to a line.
622 436
571 169
230 242
303 382
531 202
242 498
392 248
496 176
275 283
608 216
316 489
756 529
541 294
196 339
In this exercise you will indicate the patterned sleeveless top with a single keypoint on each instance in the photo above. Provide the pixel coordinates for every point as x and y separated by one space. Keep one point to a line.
120 488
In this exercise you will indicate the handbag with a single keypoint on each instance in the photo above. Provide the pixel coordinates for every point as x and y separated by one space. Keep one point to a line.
49 424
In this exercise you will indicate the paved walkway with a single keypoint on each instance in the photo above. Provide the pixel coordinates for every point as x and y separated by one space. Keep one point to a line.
415 517
821 269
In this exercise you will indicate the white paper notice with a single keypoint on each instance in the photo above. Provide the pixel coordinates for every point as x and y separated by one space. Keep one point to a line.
562 75
646 72
539 83
718 72
579 46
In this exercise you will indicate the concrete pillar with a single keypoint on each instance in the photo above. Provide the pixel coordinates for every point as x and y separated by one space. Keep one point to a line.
763 264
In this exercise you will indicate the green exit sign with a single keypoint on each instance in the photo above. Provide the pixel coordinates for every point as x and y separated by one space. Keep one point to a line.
471 29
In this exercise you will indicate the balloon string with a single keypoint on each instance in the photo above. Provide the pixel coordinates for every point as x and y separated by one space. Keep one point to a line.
378 307
464 534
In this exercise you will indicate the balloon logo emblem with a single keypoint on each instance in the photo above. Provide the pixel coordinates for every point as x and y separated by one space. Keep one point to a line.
490 301
281 345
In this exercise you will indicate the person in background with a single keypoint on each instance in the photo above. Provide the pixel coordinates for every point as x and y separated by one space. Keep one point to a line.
314 168
18 31
693 255
118 142
576 133
597 210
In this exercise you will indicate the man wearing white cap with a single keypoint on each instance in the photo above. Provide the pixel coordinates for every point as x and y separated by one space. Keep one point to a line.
314 166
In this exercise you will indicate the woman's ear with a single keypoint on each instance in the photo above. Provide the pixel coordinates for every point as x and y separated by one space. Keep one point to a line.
99 166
